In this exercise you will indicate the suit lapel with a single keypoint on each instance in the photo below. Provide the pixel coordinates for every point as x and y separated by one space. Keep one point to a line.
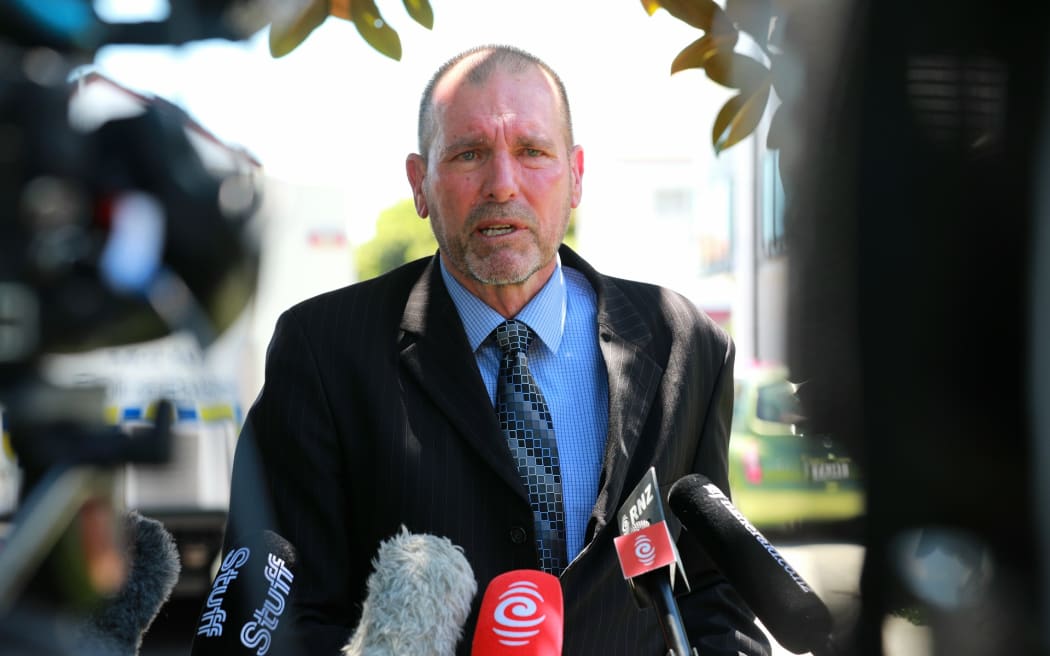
634 378
434 349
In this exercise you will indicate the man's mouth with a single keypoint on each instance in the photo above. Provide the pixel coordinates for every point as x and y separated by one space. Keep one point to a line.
496 230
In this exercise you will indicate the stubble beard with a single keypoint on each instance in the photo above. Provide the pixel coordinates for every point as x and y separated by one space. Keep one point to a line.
502 265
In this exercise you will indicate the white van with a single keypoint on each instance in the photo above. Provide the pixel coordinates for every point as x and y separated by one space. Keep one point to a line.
190 493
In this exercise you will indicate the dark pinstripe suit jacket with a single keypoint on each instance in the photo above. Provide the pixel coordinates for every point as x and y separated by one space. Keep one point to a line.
373 415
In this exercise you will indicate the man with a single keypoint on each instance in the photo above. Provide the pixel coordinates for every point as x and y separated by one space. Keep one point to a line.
383 403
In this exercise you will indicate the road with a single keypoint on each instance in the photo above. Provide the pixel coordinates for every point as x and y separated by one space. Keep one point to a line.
833 571
831 568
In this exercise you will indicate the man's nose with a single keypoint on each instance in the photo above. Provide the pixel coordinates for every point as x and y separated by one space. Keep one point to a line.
501 183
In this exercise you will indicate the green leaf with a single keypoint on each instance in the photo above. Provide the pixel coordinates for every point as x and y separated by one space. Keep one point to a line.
374 28
736 71
291 26
739 117
702 14
420 12
696 54
752 16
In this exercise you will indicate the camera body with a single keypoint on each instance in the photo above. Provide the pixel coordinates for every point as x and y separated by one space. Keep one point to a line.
120 234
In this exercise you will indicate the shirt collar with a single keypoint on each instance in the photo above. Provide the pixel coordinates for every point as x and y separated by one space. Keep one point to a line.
544 314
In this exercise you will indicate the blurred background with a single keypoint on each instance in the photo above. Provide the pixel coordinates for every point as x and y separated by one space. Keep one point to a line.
887 424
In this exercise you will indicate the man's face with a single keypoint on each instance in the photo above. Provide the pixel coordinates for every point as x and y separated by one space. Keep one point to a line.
499 179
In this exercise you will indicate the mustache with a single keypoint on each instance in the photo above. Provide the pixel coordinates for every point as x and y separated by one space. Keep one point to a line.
490 211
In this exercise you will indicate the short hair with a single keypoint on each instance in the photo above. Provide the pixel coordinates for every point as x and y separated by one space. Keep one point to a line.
498 57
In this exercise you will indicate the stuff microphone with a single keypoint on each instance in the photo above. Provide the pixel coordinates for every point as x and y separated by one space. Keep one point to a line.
117 626
778 595
521 613
419 597
248 609
650 561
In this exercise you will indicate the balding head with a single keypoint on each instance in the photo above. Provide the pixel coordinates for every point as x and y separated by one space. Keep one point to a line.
476 66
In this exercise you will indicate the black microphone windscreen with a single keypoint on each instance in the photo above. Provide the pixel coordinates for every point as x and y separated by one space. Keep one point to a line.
419 597
248 609
778 595
118 625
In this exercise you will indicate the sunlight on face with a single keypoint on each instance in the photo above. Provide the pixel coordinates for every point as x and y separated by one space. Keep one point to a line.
500 179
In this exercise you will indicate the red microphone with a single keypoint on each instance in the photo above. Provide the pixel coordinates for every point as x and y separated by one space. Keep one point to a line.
521 614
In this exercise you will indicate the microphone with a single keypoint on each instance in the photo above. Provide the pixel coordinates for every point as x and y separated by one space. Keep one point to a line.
246 611
117 626
778 595
521 613
650 561
419 597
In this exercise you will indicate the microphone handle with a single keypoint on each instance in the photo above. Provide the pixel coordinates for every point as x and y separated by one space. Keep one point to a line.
658 587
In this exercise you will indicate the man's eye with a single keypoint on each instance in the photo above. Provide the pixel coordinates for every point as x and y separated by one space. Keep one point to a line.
469 156
533 152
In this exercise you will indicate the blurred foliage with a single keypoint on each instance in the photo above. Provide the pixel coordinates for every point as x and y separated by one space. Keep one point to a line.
296 19
715 52
401 236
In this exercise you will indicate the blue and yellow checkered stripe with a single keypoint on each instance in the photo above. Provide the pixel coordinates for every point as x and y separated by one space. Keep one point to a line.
206 413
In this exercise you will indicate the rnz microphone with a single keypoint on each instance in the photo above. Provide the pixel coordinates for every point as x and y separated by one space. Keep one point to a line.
778 595
650 561
419 597
521 614
248 610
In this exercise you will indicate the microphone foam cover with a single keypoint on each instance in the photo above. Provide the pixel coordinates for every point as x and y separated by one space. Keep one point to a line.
419 597
777 594
118 625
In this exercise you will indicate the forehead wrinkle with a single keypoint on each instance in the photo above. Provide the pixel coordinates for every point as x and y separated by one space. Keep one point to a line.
481 131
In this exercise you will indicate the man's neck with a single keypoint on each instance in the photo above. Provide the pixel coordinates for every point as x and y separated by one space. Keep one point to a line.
507 300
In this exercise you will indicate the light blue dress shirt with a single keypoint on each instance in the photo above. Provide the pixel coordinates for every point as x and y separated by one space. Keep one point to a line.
568 367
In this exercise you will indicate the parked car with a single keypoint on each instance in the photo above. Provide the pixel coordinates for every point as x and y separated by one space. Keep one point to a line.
780 475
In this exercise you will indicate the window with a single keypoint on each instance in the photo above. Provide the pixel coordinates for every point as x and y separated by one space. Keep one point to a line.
773 238
708 228
777 402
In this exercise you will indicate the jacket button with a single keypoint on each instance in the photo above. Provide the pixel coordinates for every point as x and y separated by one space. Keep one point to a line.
518 535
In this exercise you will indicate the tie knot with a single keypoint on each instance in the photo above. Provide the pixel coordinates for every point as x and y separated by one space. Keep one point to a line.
513 336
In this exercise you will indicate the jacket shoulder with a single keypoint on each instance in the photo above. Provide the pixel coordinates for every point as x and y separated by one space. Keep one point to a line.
665 309
360 304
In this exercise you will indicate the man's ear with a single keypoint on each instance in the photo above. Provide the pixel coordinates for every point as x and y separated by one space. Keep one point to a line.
576 164
416 168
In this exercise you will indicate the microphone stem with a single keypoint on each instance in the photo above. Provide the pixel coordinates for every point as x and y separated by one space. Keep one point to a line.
659 589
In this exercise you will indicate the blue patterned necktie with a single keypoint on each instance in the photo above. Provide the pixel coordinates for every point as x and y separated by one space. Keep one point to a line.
526 422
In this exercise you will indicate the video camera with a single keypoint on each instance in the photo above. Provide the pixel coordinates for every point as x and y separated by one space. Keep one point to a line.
109 235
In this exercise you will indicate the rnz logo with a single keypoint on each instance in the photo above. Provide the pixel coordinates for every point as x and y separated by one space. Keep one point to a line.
644 550
517 614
